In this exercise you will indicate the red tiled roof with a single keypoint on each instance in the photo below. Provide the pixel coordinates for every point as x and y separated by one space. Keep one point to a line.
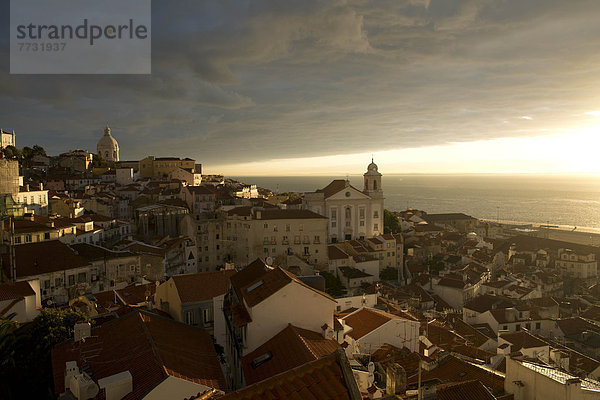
258 281
387 354
149 347
450 282
322 379
202 286
366 320
469 390
453 369
334 187
43 257
288 349
136 294
16 290
289 214
335 253
27 226
244 211
93 252
522 340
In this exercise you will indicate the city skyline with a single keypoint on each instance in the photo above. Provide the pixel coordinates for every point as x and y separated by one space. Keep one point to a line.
425 86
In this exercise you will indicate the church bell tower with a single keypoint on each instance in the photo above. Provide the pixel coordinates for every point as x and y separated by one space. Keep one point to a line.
372 182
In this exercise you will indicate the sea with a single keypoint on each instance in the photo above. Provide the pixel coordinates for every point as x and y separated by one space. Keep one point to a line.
570 200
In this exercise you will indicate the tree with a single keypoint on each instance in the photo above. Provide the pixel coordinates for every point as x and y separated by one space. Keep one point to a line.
391 223
333 284
38 150
388 274
11 152
7 341
97 161
31 376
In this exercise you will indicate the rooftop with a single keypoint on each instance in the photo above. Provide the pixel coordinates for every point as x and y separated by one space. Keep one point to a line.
32 259
202 286
288 349
146 345
328 378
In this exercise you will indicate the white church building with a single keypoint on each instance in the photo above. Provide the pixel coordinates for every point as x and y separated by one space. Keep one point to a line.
353 214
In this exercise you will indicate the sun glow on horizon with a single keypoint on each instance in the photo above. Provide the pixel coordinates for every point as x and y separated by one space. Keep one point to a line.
566 152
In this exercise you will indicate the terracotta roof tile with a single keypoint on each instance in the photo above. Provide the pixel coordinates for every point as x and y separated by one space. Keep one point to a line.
321 379
32 259
453 369
146 345
335 253
202 286
288 349
469 390
290 214
366 320
16 290
136 294
258 281
522 340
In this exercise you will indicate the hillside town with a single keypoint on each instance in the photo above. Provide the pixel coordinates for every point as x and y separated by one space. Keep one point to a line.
149 279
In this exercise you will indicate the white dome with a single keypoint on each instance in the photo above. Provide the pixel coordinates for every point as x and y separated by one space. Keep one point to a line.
108 148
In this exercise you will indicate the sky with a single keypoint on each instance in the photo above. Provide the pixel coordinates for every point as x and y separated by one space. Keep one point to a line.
318 87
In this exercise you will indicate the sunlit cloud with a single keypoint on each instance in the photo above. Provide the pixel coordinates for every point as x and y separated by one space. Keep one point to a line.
556 153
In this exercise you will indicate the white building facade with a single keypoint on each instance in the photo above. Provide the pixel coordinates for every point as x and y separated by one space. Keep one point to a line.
352 214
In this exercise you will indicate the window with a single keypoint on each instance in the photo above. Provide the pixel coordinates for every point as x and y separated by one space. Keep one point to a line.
17 239
189 317
518 327
266 226
375 214
81 277
71 280
361 213
317 239
333 224
376 227
306 252
27 238
206 315
47 235
287 227
260 360
333 215
301 228
538 325
47 284
58 282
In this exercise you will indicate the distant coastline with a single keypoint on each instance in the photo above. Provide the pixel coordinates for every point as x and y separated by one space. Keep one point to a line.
557 199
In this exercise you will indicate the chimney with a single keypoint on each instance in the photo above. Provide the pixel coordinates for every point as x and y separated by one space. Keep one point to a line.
81 331
117 386
395 380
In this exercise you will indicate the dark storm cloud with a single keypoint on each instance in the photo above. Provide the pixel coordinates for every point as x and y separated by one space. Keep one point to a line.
236 81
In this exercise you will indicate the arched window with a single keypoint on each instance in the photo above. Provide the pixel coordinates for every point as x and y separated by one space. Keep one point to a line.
106 155
348 213
375 184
